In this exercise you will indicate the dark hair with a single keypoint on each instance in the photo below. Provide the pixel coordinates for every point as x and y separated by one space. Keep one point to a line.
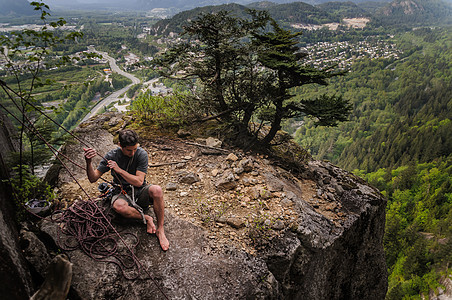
128 137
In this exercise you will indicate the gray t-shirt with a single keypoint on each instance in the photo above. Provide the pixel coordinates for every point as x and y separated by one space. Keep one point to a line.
139 162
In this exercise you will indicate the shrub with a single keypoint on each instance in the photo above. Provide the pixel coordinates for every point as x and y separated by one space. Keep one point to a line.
162 110
27 186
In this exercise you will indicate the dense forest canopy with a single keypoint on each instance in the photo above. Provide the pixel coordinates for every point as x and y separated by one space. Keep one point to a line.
399 138
402 107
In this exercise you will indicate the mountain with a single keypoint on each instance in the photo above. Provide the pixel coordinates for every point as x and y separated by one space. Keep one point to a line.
323 238
344 9
176 23
300 12
296 12
398 12
16 7
415 12
189 4
261 5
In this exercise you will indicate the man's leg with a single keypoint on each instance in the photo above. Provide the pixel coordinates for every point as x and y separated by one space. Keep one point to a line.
156 193
121 206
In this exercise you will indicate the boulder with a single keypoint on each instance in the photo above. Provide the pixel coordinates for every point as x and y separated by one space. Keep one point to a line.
213 142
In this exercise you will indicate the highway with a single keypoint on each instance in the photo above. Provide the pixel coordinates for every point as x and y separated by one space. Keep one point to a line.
113 97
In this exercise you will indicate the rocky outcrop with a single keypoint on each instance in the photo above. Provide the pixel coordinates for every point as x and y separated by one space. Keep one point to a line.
327 259
240 227
15 276
191 269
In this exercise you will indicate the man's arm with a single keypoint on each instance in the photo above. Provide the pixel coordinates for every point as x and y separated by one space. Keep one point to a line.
92 174
135 180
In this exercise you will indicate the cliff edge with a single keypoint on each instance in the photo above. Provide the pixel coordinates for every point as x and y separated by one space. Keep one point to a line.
240 225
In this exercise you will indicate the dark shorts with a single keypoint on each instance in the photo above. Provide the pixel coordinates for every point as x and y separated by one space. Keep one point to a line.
141 197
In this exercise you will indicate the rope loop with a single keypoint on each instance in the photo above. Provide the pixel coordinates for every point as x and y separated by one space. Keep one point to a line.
86 227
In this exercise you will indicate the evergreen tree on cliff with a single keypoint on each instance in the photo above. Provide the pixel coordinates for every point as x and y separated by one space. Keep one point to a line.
278 52
245 73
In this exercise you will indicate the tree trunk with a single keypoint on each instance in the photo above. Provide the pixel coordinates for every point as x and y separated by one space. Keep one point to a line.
276 123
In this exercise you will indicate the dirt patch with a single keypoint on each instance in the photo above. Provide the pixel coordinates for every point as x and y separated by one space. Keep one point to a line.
356 22
239 198
229 216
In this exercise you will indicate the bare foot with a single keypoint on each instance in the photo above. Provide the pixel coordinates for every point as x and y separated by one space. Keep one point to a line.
162 239
150 227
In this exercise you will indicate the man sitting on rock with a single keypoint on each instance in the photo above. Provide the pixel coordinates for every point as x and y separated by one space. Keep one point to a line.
128 164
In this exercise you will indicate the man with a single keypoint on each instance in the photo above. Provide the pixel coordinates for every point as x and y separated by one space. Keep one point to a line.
128 164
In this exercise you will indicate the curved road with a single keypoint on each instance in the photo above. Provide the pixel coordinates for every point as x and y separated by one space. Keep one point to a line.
113 96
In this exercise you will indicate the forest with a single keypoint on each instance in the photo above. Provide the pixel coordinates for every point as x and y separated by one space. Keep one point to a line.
398 138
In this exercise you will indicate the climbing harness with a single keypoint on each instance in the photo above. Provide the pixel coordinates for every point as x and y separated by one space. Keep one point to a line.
85 221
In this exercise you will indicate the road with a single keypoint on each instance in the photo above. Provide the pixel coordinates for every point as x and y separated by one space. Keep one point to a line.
113 97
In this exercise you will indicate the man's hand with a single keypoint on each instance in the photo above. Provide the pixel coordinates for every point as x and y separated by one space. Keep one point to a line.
92 174
90 153
113 165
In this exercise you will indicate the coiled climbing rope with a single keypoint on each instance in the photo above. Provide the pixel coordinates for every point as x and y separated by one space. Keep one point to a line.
85 225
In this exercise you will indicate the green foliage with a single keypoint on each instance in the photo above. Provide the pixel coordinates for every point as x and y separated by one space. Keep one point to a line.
133 89
26 53
300 12
118 81
259 230
211 210
245 74
342 10
401 107
277 51
161 110
418 233
26 187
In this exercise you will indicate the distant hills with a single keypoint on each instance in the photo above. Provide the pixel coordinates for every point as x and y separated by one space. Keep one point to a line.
397 12
344 9
415 11
16 7
296 12
195 3
19 7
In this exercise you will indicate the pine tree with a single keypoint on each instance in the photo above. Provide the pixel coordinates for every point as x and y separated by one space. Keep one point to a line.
245 74
278 51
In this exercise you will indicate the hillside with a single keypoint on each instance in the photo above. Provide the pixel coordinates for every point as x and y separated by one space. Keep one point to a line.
344 10
297 12
16 7
396 13
407 119
300 12
175 24
422 12
399 139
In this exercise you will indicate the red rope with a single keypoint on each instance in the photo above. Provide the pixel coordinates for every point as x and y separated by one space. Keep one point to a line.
84 226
